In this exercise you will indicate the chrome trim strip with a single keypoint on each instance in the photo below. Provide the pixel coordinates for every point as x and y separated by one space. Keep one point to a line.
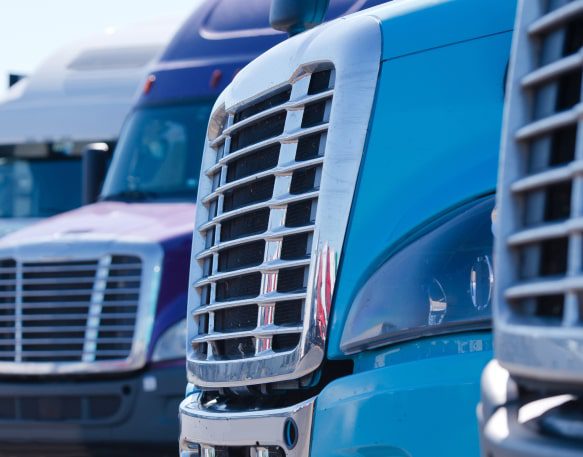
556 18
259 428
266 267
269 298
548 231
283 200
270 235
259 331
553 70
287 169
548 124
288 106
551 176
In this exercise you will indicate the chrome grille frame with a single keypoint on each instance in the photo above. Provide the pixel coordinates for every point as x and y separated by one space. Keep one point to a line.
355 77
75 250
537 346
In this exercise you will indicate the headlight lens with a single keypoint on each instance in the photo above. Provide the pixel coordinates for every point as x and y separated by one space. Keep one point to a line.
440 282
172 344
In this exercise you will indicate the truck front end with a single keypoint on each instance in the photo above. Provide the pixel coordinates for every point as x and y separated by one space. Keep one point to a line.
90 353
532 393
340 285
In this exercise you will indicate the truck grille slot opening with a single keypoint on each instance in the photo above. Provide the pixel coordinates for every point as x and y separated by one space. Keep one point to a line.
277 99
234 348
296 247
246 286
261 130
69 311
258 232
548 308
242 256
310 147
248 224
283 343
549 204
292 280
319 82
552 150
255 192
288 313
259 161
7 309
314 114
558 95
305 180
301 213
544 259
236 319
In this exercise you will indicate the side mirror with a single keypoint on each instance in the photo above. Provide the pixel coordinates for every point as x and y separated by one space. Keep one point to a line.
13 78
295 16
95 159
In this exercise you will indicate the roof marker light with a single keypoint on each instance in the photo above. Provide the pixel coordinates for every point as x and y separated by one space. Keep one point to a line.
149 83
216 77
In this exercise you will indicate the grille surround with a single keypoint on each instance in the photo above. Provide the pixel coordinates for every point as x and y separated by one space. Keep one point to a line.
354 79
539 315
87 359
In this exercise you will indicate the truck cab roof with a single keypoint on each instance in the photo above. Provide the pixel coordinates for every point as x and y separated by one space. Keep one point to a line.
217 41
84 90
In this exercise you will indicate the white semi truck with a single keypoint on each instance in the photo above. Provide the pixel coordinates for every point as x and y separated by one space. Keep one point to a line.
79 95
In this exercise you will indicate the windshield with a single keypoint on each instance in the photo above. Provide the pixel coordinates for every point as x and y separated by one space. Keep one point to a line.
159 154
39 187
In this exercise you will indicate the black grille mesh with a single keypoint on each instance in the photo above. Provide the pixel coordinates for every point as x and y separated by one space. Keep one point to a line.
248 209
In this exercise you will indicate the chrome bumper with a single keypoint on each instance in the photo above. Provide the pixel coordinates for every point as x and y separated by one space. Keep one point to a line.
208 433
509 428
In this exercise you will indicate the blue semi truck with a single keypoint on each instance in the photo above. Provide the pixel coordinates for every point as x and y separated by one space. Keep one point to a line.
341 274
93 301
532 393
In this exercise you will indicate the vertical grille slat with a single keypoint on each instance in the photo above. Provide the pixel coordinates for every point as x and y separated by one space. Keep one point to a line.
68 311
284 177
540 261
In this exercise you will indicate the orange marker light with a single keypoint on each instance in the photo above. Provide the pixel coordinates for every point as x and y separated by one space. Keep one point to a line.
149 83
215 78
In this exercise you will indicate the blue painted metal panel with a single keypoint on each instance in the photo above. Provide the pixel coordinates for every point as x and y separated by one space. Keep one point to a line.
416 25
433 143
415 400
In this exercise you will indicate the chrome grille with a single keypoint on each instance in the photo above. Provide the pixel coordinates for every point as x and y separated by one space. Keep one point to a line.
539 315
279 169
68 311
261 214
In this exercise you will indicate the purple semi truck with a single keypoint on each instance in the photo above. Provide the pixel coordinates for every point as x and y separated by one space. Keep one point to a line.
93 301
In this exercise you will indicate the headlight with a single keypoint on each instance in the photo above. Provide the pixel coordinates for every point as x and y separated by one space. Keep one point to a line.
441 281
172 344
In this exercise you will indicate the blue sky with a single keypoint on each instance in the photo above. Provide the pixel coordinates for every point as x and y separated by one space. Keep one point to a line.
30 30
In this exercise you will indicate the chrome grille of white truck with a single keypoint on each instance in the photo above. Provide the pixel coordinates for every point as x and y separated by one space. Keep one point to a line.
259 233
68 311
539 315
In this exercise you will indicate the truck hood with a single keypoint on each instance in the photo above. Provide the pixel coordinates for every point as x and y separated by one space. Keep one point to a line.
108 221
